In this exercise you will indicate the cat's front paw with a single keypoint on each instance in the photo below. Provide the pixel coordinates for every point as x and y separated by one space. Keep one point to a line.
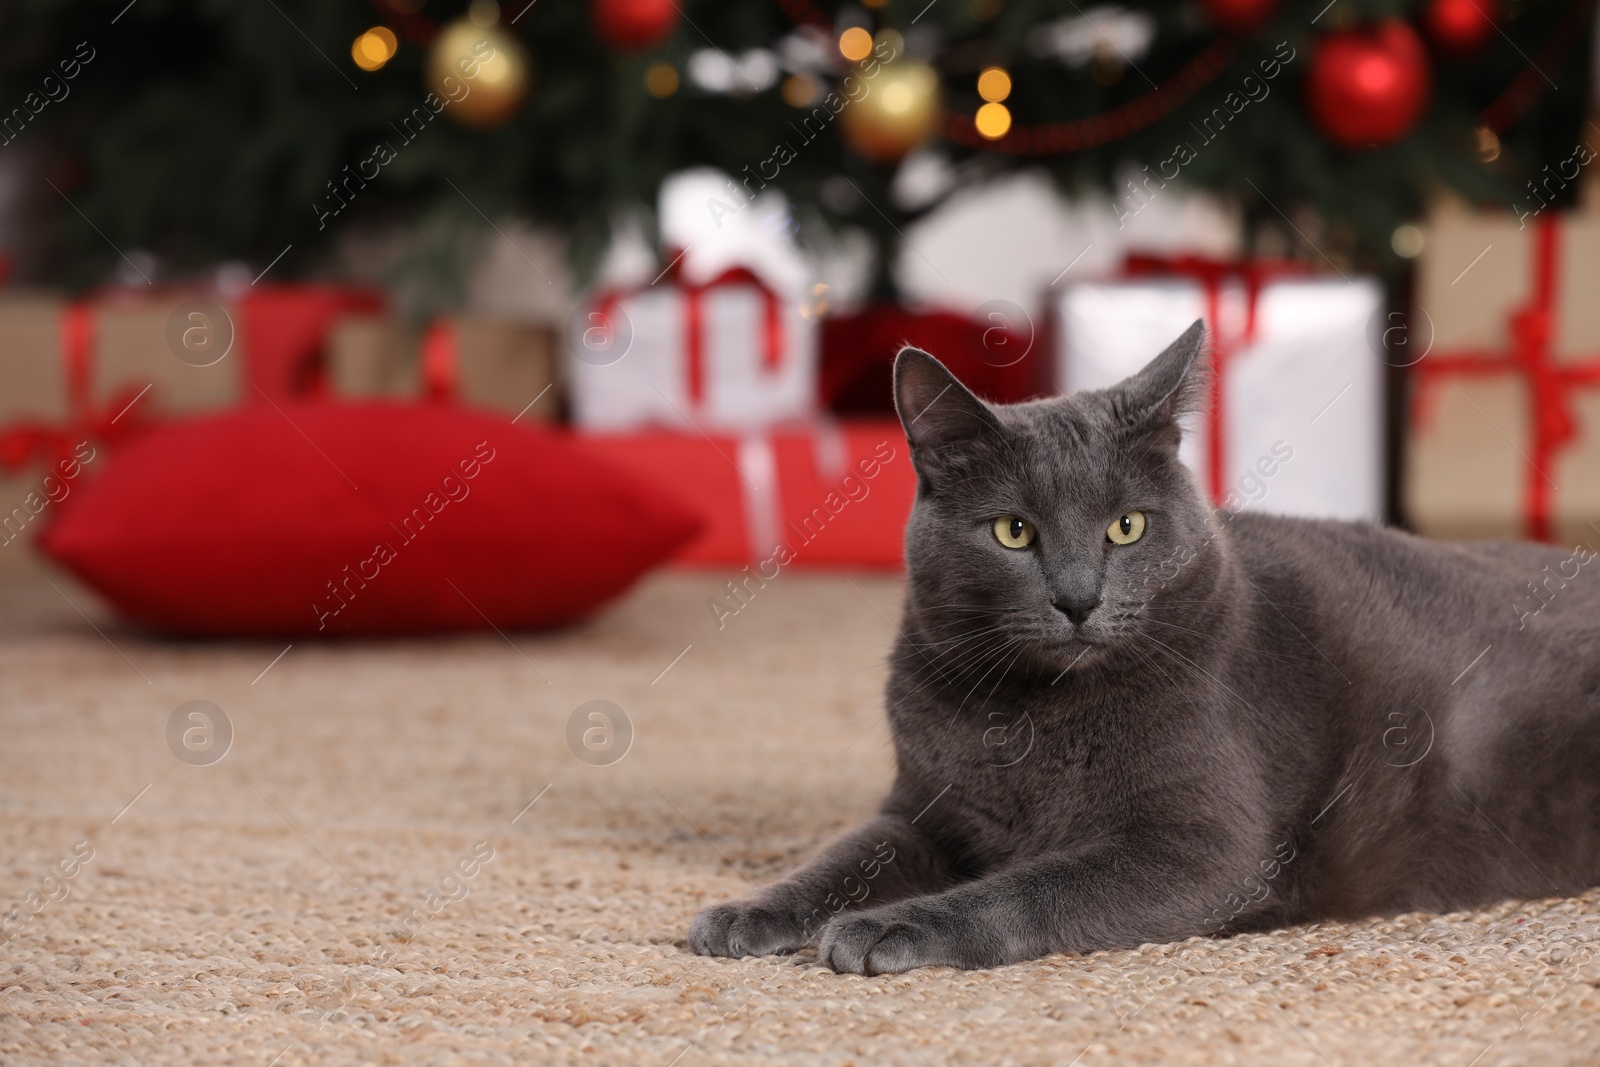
746 928
889 940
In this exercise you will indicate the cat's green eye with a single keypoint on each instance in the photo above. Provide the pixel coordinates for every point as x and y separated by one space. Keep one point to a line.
1126 530
1013 531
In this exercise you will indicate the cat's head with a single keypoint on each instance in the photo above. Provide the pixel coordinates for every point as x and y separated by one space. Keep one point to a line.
1046 531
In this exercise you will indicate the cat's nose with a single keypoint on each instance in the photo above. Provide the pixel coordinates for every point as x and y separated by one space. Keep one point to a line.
1077 608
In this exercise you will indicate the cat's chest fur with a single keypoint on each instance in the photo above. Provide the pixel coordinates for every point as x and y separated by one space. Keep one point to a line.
1021 766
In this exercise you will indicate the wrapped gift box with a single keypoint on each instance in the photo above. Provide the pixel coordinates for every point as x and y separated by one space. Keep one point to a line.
825 495
728 354
480 361
91 372
1295 423
1503 436
1001 357
32 388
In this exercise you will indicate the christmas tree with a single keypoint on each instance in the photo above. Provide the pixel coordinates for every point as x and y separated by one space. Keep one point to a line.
205 130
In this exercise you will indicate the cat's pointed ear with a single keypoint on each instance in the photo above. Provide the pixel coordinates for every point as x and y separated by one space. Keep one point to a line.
1168 387
936 410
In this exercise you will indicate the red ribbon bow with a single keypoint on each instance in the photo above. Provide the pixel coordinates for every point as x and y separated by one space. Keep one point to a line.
693 321
25 442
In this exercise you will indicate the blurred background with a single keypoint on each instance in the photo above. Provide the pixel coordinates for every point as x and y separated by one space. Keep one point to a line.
678 242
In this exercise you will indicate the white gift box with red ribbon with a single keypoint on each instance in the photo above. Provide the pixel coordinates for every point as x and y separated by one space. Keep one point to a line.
1294 422
725 354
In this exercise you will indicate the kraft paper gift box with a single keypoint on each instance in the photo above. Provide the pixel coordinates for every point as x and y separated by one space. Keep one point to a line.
200 350
480 361
33 389
1294 422
1503 434
727 354
56 416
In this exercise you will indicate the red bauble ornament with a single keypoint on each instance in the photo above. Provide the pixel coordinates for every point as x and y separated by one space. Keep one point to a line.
1239 16
1461 27
634 25
1368 87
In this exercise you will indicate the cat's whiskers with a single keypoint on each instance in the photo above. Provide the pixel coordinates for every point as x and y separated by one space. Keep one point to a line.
959 662
1021 647
966 661
1150 661
1202 671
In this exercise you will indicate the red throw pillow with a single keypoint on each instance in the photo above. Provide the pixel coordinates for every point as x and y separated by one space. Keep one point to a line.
333 518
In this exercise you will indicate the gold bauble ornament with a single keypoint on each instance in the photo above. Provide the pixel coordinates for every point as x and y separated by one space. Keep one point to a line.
480 72
900 112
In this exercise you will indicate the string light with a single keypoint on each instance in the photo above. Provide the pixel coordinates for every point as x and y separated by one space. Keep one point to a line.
1407 241
661 80
855 44
374 48
800 90
994 84
993 121
815 307
1488 145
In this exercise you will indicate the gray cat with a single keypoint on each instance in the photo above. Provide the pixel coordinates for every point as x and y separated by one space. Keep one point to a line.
1121 717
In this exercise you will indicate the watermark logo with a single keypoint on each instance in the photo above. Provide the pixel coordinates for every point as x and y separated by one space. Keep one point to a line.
1008 740
200 332
1400 340
1008 332
599 335
1408 739
599 733
199 733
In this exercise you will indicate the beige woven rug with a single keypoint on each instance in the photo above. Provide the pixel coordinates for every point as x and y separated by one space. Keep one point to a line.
254 911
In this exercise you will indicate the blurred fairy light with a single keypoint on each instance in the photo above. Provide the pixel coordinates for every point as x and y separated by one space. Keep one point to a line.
1489 144
801 90
855 44
1407 241
815 305
374 48
661 80
716 71
994 84
1078 40
993 121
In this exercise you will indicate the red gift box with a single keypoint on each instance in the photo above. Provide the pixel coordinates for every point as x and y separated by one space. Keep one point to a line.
1000 360
823 495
